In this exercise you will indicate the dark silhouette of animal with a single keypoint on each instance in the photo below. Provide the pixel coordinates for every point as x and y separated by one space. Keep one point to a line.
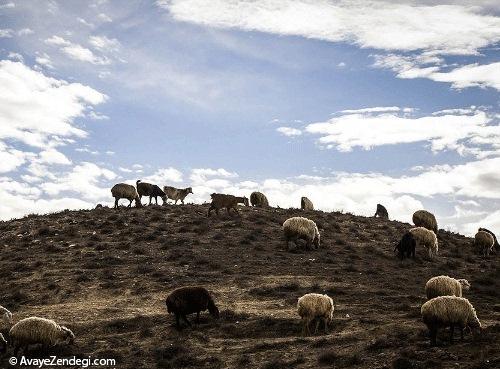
229 202
406 246
177 194
125 191
190 300
151 190
381 212
496 246
259 200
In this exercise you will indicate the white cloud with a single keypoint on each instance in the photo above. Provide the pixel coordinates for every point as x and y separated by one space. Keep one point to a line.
93 115
104 43
52 156
164 176
25 31
9 5
44 59
77 52
471 75
6 33
378 109
371 24
15 56
201 175
83 21
466 134
104 17
289 131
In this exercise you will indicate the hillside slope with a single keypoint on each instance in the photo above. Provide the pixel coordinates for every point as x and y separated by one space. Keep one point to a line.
105 274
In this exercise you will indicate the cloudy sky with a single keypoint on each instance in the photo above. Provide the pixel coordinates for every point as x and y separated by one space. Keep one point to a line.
351 103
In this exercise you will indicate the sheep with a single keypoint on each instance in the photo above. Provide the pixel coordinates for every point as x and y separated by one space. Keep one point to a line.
177 194
445 286
299 227
423 218
125 191
229 202
484 242
406 246
427 238
381 212
306 204
190 300
151 190
259 199
6 315
3 343
315 306
35 330
449 311
496 245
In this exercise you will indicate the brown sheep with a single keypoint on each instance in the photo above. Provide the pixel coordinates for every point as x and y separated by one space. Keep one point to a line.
259 200
229 202
125 191
177 194
151 190
306 204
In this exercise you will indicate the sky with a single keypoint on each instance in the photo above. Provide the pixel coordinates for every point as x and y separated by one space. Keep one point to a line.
350 103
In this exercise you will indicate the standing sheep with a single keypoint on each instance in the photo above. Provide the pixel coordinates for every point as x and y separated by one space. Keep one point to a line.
190 300
381 212
406 246
496 245
315 306
306 204
151 190
301 228
484 242
445 286
177 194
229 202
449 311
426 238
35 330
125 191
423 218
259 200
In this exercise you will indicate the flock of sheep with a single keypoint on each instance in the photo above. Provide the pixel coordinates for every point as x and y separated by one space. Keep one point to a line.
445 306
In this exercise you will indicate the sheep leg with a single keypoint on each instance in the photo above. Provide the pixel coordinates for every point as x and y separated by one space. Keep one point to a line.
462 333
175 202
130 204
325 320
177 323
182 201
305 326
452 330
317 325
433 332
116 202
186 320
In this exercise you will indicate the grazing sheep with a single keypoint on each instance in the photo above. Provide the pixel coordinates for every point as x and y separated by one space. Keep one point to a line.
496 245
406 246
484 242
381 212
190 300
5 315
151 190
229 202
306 204
259 200
445 286
449 311
423 218
301 228
177 194
315 306
34 330
426 238
125 191
3 343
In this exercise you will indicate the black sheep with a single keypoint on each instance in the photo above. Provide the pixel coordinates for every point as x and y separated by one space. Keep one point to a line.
190 300
406 247
381 212
151 190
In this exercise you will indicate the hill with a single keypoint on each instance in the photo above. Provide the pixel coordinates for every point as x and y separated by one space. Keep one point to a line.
105 274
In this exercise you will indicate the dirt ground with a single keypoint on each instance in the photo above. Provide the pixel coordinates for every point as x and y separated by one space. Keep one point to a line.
105 274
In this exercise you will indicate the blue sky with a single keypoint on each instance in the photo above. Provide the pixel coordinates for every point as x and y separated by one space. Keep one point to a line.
349 103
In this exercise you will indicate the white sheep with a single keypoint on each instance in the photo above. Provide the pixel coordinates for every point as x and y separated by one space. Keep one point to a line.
445 286
423 218
306 204
426 238
5 315
300 227
449 311
315 306
35 330
484 242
